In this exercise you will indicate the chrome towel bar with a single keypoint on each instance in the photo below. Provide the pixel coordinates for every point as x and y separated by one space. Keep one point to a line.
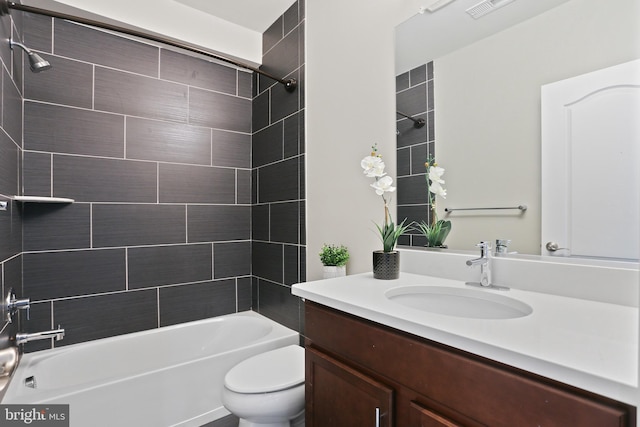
519 207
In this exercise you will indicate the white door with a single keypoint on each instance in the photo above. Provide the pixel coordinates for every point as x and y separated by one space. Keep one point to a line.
591 164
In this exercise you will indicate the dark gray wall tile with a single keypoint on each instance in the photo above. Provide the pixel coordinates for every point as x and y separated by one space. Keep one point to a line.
53 275
272 35
291 18
196 184
61 129
411 190
284 222
245 84
243 292
409 134
267 261
5 32
182 68
69 83
165 265
37 174
104 180
419 155
40 320
37 32
260 222
218 223
8 166
11 108
291 264
231 259
135 95
292 131
418 75
267 145
279 181
56 226
101 316
403 161
11 230
169 142
243 178
219 111
261 111
284 103
284 57
133 225
186 303
231 149
412 101
91 45
402 81
277 303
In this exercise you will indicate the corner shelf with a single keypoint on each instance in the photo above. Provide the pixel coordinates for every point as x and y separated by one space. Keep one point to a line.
40 199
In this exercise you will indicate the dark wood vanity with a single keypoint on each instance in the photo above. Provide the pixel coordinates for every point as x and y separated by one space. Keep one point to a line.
360 373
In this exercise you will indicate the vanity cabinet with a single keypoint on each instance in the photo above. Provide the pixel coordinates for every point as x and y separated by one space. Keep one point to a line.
354 366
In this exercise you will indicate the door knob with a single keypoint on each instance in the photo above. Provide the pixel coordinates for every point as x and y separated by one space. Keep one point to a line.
553 246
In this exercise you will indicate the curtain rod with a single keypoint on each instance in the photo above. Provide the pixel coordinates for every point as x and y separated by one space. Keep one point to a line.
289 84
417 123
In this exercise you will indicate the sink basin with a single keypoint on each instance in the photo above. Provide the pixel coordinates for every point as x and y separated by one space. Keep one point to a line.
459 302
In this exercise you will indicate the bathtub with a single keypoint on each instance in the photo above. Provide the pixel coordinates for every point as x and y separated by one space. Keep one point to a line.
171 376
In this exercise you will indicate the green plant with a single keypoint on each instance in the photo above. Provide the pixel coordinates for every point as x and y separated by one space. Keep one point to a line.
332 255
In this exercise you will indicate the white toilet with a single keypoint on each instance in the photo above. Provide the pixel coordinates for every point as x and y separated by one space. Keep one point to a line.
267 390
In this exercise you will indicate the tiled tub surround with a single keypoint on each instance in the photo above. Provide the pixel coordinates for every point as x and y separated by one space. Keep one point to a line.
10 155
414 97
155 147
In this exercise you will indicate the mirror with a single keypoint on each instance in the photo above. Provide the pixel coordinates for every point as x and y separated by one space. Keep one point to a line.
482 92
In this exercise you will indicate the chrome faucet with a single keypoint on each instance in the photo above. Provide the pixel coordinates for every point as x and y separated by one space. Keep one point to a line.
485 268
484 262
57 334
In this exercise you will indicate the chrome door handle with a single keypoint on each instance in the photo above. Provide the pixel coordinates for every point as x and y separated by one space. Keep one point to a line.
377 417
553 246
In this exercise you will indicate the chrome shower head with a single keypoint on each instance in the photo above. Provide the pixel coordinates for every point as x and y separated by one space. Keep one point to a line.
36 62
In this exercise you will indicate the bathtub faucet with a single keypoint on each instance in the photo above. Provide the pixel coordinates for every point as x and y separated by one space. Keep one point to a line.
57 334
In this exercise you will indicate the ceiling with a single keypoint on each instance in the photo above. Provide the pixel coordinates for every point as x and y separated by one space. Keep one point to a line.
430 35
251 14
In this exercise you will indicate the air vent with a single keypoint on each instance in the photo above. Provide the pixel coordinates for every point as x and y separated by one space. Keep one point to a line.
485 7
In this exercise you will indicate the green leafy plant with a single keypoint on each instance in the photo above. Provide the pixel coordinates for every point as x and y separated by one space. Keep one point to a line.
333 255
374 168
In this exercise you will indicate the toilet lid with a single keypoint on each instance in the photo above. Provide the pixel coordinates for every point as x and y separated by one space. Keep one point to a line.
274 370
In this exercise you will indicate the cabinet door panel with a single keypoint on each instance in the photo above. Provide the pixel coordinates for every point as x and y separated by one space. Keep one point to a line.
340 396
423 417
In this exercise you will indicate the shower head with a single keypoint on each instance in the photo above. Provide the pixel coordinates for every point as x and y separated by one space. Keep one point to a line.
36 62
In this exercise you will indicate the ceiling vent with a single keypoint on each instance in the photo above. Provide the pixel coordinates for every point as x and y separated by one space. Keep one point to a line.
485 7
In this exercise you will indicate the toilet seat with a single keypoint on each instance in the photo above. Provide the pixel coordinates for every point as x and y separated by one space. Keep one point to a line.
272 371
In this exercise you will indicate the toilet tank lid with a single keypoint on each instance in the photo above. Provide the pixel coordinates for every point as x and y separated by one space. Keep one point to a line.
271 371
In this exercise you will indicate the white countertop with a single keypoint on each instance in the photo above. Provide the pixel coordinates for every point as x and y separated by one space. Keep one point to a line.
588 344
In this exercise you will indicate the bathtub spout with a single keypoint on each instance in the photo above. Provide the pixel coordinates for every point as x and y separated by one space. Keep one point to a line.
57 334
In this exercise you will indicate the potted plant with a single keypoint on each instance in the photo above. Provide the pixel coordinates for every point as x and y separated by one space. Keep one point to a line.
436 230
334 259
386 263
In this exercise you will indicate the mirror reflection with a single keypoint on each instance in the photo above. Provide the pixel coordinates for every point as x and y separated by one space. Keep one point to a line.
478 87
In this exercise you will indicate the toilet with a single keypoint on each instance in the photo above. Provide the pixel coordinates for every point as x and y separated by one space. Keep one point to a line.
267 390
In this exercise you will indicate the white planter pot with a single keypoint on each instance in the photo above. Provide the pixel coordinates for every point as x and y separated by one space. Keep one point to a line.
331 271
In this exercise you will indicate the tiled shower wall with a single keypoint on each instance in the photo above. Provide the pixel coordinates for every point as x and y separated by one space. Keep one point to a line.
414 97
278 217
10 154
155 147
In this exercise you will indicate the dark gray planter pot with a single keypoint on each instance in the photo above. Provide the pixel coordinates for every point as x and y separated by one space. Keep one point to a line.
386 265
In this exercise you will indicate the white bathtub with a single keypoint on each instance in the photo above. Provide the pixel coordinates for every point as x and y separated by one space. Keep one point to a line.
172 376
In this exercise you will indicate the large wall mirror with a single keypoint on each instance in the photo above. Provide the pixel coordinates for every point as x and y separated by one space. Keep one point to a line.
481 80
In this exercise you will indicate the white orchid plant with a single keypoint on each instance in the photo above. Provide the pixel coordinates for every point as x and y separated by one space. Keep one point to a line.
373 167
435 231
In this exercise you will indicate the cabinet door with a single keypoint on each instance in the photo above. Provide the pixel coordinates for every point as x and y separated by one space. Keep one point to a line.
340 396
423 417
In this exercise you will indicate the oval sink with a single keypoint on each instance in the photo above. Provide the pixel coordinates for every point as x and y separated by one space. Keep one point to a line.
459 302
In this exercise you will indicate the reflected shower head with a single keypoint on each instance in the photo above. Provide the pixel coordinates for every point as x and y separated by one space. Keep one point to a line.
36 62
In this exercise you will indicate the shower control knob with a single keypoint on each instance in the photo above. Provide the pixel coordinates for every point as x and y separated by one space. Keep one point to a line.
14 304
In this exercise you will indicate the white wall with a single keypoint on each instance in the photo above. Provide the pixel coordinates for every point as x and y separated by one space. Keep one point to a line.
488 111
350 105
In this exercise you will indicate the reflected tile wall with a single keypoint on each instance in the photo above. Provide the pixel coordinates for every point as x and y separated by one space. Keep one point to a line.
414 97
